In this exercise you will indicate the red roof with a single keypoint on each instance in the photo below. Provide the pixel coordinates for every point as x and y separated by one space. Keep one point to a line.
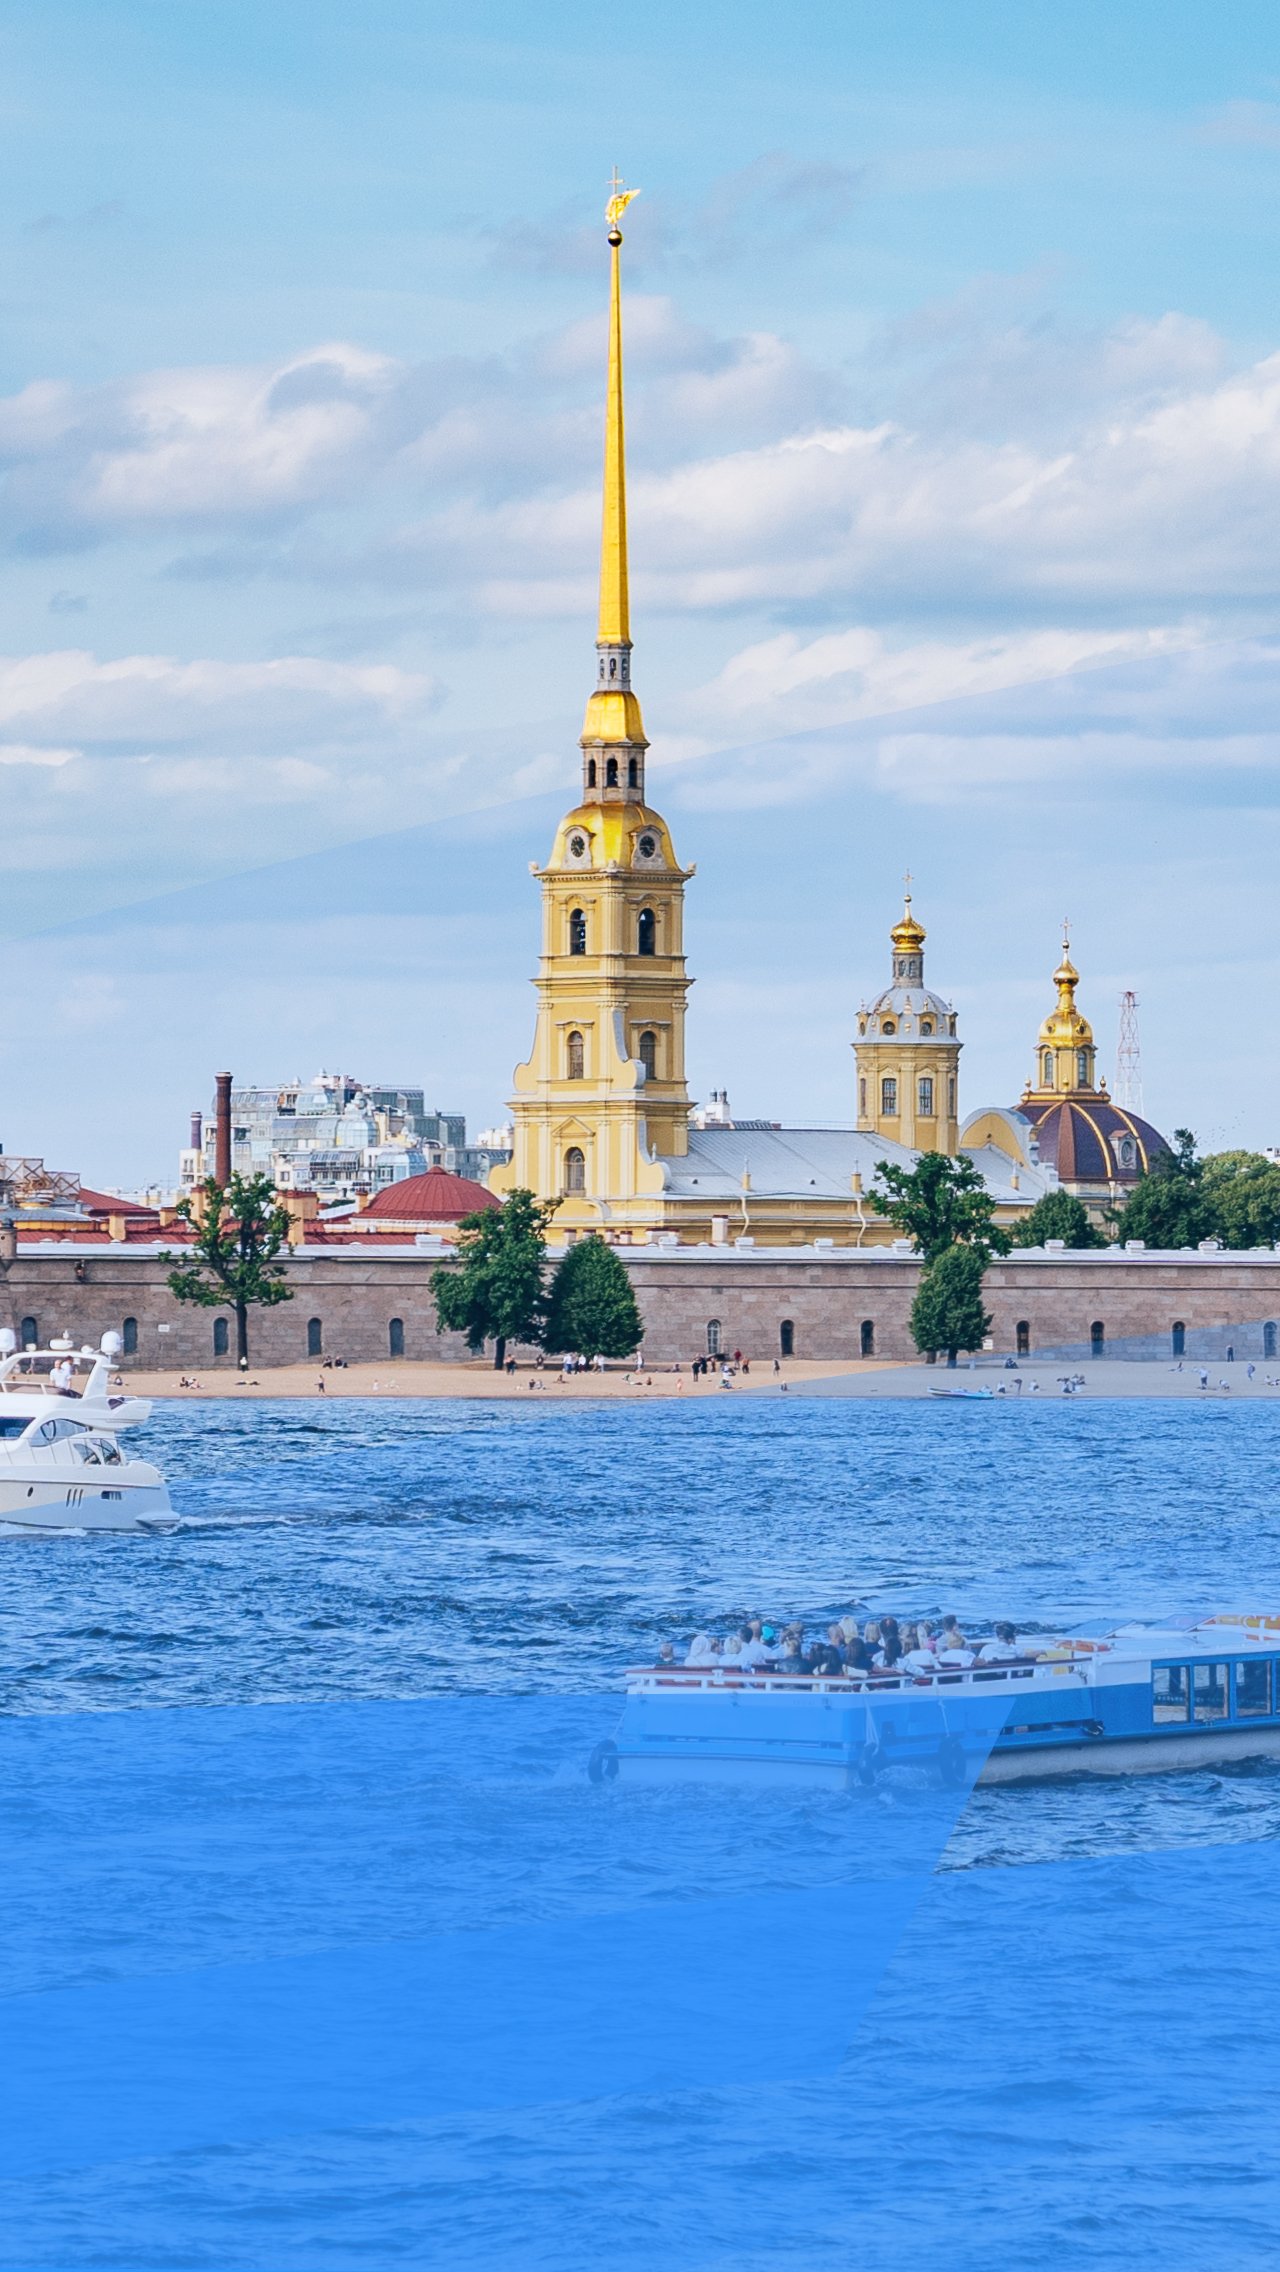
105 1203
436 1197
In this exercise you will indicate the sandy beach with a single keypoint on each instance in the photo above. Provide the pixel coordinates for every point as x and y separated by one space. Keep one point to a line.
1103 1377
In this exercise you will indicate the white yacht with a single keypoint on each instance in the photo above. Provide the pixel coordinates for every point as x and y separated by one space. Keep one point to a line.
61 1465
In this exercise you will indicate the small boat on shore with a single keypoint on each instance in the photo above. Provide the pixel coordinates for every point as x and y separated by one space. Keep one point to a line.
61 1465
1137 1699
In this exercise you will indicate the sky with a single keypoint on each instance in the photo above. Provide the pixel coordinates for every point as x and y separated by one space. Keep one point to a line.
953 357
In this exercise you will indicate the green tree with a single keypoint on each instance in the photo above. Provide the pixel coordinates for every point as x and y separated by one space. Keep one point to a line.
940 1203
591 1307
1171 1206
233 1263
493 1292
947 1312
1243 1189
1059 1215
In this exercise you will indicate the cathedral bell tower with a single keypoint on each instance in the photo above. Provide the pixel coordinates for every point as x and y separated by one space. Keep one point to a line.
908 1055
603 1094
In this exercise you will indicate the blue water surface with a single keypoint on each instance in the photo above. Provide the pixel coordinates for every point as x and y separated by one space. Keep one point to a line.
320 1951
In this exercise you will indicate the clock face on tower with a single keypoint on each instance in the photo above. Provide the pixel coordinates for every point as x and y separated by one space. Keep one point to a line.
579 846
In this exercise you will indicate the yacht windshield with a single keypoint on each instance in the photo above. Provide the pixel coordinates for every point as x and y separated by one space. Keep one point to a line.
13 1424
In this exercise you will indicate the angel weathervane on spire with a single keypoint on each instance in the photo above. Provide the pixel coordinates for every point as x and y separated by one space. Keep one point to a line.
619 199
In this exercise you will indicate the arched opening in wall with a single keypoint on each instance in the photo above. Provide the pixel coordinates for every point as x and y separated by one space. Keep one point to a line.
576 1057
315 1337
591 773
1269 1348
129 1338
633 774
1097 1338
395 1337
221 1337
867 1337
713 1337
611 773
1082 1068
1178 1338
1048 1068
649 1054
575 1169
862 1097
951 1096
786 1338
888 1026
926 1028
889 1097
1022 1334
29 1337
647 932
577 931
924 1096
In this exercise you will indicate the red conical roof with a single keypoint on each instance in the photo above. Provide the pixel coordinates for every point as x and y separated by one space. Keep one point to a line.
436 1197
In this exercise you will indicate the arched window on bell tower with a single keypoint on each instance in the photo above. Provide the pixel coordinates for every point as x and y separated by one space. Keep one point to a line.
1048 1068
591 773
611 773
578 931
633 773
576 1057
575 1169
647 932
649 1054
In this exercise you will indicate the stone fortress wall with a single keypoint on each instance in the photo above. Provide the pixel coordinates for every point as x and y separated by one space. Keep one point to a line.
837 1303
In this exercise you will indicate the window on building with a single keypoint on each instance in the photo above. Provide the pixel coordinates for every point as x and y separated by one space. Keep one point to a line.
1179 1338
1022 1336
1209 1693
951 1095
575 1169
713 1337
1253 1688
633 774
129 1338
395 1337
1082 1068
30 1337
649 1054
591 773
889 1097
867 1337
1170 1693
786 1338
315 1337
611 773
647 932
862 1098
578 931
1269 1338
1128 1152
1048 1068
924 1096
221 1337
926 1026
576 1057
887 1026
1097 1338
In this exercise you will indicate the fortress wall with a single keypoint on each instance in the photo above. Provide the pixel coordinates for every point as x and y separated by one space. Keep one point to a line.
1221 1300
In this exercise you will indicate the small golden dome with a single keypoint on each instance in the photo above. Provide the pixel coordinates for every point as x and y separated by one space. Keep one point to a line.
908 936
1066 1027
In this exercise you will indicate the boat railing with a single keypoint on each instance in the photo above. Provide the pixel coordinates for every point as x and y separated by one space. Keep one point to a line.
717 1679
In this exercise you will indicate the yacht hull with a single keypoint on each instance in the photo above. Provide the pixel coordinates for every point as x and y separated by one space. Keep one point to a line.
120 1506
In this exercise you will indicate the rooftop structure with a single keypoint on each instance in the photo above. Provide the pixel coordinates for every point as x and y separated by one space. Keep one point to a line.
335 1137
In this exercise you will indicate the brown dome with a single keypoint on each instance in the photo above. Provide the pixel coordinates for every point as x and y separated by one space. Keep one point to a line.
436 1197
1090 1140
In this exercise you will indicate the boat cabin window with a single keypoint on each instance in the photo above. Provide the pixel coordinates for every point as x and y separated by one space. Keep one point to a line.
12 1425
1253 1688
88 1451
1170 1693
1211 1692
57 1431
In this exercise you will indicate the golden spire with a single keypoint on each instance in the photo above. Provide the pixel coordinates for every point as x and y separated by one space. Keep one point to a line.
1066 1055
613 713
908 936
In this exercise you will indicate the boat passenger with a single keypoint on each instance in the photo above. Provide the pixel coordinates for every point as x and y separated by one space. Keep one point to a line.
62 1377
666 1657
1004 1645
700 1651
890 1649
753 1652
951 1636
793 1657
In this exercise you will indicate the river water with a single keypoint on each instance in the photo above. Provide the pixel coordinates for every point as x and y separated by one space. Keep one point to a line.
1050 2009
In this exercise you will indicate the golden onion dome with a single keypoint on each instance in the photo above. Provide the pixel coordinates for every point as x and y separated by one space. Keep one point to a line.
908 936
1066 1027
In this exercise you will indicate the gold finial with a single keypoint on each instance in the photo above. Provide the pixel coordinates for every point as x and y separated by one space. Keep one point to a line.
908 936
619 199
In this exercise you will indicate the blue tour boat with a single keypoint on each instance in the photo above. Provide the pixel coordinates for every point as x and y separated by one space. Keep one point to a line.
1136 1699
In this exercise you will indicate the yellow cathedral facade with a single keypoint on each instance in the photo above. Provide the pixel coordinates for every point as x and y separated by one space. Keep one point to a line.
603 1126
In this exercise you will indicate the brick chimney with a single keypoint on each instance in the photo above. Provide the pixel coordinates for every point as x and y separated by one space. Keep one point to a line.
222 1128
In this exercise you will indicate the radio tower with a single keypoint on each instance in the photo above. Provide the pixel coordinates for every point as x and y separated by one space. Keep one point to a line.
1129 1055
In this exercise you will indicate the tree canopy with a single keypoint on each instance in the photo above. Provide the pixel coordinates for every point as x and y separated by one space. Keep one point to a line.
494 1291
940 1203
1171 1206
591 1308
947 1312
240 1229
1243 1189
1059 1215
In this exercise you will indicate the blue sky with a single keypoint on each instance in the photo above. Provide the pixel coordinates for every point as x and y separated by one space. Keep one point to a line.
954 399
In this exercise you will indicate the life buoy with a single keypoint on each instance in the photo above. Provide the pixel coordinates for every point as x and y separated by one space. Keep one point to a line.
951 1763
602 1767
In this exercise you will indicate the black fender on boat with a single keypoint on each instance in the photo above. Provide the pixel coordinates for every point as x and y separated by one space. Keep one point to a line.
602 1767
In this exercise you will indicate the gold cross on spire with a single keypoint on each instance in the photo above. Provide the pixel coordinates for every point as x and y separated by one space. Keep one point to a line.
619 199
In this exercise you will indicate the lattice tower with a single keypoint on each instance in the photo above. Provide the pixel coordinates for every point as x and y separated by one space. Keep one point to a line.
1128 1090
